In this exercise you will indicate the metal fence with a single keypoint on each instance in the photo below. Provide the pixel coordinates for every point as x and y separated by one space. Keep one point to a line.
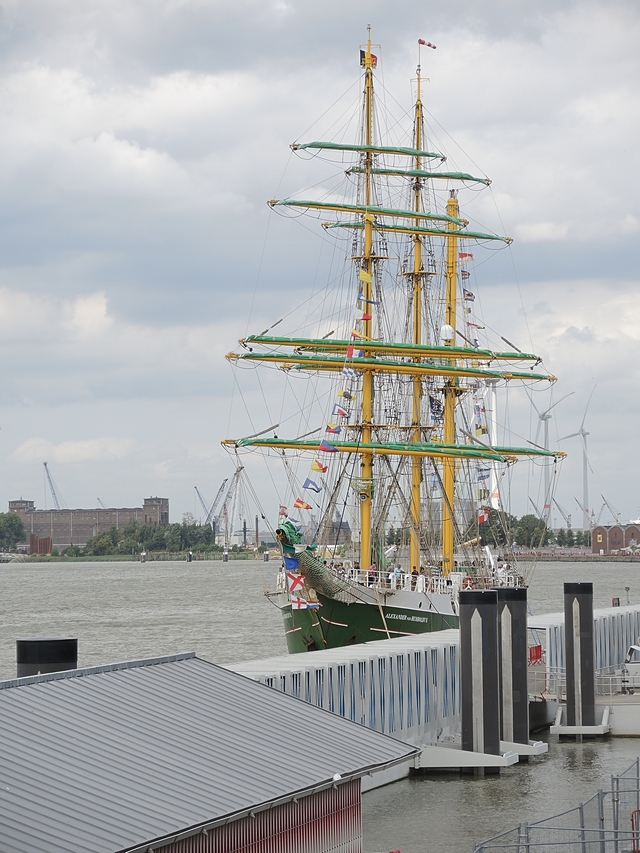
609 822
614 681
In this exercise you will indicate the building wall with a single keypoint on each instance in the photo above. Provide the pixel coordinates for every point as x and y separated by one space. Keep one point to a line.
631 535
327 821
75 526
599 540
340 533
614 538
156 511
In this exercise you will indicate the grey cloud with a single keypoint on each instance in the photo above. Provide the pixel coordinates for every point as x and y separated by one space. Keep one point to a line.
141 140
158 36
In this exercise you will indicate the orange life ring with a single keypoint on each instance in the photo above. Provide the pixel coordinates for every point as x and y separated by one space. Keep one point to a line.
467 583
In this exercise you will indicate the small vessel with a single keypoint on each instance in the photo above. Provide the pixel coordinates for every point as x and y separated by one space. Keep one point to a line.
390 398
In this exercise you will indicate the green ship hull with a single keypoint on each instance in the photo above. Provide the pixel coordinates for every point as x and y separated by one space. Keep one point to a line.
335 624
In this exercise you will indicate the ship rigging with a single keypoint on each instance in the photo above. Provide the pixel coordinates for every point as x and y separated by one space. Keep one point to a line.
407 429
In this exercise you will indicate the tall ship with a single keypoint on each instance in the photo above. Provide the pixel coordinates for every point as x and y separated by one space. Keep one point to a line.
387 391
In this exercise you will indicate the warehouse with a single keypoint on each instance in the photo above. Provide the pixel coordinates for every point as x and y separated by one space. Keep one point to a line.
614 538
179 755
60 528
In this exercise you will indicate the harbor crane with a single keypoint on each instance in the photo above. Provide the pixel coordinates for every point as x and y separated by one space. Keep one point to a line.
566 515
229 505
102 504
202 503
588 517
615 514
54 495
536 509
210 516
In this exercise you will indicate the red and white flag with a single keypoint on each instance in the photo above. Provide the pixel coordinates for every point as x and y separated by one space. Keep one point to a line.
282 510
295 581
426 43
298 603
483 515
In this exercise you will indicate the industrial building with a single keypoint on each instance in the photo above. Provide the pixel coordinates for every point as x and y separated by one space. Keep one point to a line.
614 538
64 527
179 755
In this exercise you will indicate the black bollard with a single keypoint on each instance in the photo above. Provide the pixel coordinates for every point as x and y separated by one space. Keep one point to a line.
512 650
579 654
225 557
479 672
265 557
46 654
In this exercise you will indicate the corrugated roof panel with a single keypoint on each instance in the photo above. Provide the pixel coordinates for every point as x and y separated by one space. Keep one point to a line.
109 760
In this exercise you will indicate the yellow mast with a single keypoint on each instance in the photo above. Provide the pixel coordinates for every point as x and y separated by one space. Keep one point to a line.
408 358
450 396
416 410
366 277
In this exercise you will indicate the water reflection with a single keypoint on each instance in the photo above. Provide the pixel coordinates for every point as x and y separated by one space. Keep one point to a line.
450 813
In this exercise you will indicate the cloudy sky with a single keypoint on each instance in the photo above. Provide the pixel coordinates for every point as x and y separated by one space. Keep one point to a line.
140 141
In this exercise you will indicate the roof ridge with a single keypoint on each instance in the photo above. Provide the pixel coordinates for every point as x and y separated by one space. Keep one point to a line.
92 670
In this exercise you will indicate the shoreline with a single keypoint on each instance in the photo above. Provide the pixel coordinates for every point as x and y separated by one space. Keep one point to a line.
162 557
581 558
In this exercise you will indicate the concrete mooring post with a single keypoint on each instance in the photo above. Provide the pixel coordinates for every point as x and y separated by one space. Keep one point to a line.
479 689
512 649
579 654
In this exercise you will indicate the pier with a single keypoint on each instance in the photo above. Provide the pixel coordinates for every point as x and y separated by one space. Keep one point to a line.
409 687
615 630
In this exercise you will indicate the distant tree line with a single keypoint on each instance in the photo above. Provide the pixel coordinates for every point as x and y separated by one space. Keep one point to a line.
501 529
11 530
135 537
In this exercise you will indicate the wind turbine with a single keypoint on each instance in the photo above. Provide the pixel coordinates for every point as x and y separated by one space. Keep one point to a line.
543 420
583 433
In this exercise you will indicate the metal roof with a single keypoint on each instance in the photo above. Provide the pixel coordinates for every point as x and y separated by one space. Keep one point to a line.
112 758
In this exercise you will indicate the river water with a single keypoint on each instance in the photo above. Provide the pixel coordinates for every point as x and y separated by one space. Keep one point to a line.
127 611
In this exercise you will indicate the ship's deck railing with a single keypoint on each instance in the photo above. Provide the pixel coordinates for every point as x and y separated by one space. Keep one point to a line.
609 822
431 584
